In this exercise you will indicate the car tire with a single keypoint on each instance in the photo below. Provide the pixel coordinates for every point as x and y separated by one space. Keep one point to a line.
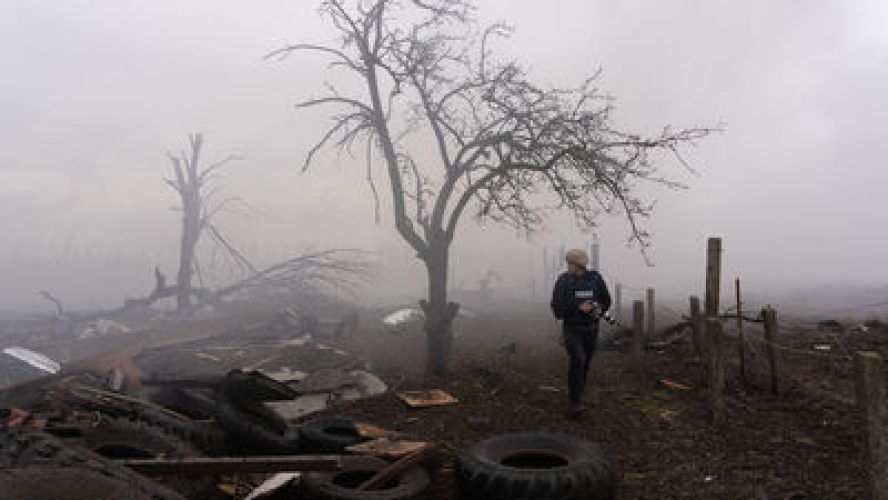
251 432
20 448
123 439
40 482
340 485
329 435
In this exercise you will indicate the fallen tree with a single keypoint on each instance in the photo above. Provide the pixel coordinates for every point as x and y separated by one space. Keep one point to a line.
321 272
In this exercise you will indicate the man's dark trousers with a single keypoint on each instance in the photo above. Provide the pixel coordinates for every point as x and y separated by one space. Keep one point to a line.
580 346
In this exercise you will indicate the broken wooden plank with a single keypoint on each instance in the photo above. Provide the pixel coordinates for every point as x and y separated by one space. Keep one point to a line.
397 468
234 465
385 447
372 431
425 399
672 384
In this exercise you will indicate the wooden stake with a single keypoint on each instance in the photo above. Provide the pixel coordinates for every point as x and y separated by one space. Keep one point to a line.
547 278
742 347
870 385
770 319
651 326
713 276
697 327
637 327
595 253
618 303
716 371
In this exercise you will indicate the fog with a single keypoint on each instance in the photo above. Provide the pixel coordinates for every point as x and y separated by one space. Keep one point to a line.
94 95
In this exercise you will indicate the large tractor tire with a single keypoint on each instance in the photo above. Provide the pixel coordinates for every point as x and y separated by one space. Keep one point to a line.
534 467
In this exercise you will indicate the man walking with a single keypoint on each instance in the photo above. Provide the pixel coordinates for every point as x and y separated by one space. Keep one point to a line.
579 299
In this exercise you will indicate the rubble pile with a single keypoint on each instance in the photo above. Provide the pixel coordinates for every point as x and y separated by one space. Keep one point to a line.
229 416
245 414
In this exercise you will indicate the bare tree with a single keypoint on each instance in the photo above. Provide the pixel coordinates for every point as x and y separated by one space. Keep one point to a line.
502 143
191 181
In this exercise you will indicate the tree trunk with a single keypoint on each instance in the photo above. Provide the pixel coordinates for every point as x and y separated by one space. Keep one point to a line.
190 234
438 312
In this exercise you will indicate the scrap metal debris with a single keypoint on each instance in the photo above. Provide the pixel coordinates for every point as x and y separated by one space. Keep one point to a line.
246 427
12 417
402 316
104 328
298 409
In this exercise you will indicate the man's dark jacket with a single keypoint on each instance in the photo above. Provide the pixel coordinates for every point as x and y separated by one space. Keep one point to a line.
566 299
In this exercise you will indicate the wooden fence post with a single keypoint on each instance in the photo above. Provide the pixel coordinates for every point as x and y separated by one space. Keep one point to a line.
547 278
870 382
637 327
618 303
741 341
697 327
651 324
770 318
713 277
716 374
596 249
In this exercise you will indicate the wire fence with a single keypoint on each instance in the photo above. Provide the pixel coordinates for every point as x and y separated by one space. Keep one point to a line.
799 357
804 355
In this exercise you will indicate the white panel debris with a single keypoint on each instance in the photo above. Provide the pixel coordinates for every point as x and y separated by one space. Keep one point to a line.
402 316
35 359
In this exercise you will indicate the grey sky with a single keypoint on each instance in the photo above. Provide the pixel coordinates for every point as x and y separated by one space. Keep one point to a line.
95 92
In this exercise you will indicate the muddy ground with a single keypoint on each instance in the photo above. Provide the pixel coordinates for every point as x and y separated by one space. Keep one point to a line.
794 445
509 375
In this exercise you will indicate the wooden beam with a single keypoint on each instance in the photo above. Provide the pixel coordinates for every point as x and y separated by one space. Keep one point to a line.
235 465
870 387
713 277
637 327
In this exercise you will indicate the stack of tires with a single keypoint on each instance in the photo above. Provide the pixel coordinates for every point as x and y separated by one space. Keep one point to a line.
249 426
36 466
134 439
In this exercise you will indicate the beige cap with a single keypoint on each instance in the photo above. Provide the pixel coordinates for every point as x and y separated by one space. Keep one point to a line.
578 257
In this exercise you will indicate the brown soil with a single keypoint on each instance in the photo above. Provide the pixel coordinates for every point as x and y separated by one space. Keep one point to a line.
788 446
